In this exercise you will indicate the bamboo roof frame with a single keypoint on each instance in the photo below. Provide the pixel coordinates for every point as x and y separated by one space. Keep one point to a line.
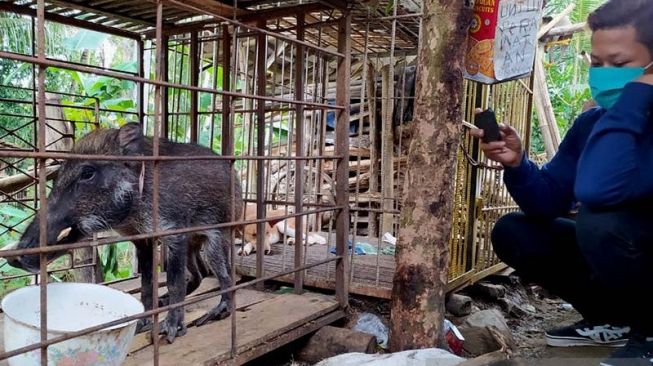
135 19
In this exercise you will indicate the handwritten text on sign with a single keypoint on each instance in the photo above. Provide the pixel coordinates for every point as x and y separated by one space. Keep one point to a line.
516 38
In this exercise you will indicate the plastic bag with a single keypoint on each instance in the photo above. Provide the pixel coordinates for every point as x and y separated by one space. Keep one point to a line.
454 338
372 324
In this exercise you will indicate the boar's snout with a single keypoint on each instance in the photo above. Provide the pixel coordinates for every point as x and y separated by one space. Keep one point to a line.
29 263
30 239
14 262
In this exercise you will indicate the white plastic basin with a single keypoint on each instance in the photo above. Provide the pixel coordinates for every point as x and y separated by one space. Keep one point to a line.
71 307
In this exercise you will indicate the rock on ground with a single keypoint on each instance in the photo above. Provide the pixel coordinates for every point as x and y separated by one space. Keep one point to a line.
479 341
429 356
486 318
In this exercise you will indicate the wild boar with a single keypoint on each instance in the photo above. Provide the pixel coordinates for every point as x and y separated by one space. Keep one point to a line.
90 196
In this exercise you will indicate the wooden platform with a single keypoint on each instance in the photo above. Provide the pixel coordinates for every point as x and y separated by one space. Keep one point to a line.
264 321
371 274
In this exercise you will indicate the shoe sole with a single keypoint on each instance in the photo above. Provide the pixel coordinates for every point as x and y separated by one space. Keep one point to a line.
581 342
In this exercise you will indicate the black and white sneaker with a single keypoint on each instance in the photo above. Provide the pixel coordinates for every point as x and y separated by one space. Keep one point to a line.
637 352
585 334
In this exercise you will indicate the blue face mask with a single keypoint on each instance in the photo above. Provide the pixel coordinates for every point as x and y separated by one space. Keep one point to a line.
607 83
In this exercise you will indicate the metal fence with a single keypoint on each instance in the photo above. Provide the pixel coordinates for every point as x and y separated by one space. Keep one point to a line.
255 104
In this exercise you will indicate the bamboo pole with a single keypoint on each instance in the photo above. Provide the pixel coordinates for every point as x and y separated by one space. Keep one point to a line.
546 118
387 147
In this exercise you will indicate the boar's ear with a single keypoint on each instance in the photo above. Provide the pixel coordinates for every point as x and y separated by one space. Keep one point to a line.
131 139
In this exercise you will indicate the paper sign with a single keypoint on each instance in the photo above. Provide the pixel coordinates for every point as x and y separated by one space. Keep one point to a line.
502 40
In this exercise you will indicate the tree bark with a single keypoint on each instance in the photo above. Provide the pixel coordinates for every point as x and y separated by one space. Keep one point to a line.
422 254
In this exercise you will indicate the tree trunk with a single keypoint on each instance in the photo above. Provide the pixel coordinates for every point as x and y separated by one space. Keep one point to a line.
422 254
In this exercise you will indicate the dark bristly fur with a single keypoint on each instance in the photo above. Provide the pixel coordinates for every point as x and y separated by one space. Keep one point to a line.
93 196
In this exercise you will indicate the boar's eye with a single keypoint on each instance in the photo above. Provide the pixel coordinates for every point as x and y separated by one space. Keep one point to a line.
88 173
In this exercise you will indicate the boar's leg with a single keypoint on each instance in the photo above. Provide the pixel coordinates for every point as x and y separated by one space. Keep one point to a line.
173 325
201 265
196 275
197 271
145 262
217 252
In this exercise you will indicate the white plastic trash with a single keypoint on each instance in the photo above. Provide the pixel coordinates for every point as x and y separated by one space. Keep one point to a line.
422 357
388 238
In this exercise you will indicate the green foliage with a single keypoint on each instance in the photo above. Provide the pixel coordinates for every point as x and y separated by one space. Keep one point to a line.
566 71
114 96
14 221
117 101
86 40
116 261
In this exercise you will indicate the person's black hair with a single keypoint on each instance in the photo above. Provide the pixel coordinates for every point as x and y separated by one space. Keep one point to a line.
622 13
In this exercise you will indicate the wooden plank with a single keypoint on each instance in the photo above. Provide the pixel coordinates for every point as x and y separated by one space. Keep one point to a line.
213 7
328 150
388 165
256 325
110 15
288 337
550 25
133 285
364 267
26 10
566 30
244 298
14 183
364 165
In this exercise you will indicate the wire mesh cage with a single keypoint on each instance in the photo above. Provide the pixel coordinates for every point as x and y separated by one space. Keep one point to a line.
89 180
308 108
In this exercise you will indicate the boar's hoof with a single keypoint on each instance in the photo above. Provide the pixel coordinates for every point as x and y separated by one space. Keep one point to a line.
143 325
217 313
174 325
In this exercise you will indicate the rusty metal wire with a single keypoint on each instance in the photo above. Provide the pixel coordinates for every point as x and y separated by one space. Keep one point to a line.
160 119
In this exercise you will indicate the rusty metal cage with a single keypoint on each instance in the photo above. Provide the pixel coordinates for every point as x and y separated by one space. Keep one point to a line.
250 45
313 109
382 94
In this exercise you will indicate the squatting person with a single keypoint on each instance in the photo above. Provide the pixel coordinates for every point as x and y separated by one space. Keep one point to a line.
601 262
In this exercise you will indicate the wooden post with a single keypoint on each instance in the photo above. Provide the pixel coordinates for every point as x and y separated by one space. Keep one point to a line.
387 148
227 133
374 151
299 151
342 149
260 151
140 93
194 75
422 255
165 97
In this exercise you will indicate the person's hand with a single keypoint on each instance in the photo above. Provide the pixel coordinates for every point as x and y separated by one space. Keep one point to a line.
508 151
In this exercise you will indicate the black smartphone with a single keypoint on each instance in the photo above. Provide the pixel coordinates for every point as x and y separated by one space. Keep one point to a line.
487 121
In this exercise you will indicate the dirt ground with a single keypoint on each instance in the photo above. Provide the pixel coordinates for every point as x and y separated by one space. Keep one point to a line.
538 312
